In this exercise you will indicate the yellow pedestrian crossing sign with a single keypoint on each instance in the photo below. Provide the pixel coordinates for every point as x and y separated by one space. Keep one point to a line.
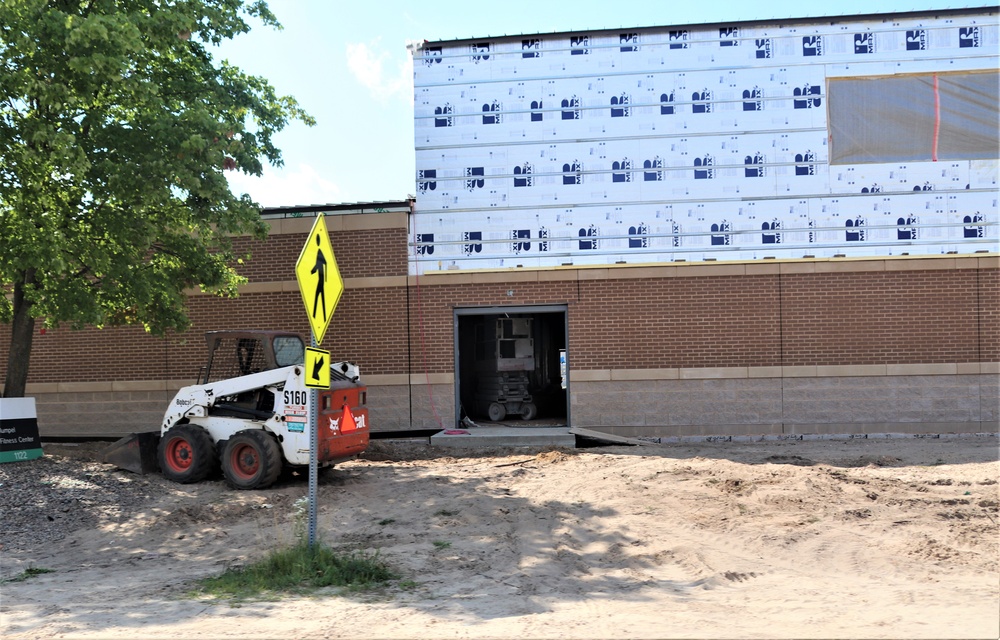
317 368
319 279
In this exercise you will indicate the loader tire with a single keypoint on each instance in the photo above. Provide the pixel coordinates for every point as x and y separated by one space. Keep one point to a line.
251 460
186 454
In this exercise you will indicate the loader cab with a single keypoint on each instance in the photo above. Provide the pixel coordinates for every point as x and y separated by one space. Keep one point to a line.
232 354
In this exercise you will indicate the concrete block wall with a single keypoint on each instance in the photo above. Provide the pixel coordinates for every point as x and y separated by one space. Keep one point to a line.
940 399
677 405
100 409
673 403
388 403
433 405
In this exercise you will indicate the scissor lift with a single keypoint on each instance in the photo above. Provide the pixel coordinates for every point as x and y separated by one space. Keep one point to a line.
503 362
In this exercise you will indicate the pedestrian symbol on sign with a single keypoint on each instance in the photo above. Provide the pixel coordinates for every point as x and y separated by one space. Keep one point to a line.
320 270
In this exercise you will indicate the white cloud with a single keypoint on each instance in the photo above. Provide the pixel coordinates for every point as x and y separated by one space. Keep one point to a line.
285 187
368 64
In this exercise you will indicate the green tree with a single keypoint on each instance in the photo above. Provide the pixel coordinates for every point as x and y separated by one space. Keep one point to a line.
116 128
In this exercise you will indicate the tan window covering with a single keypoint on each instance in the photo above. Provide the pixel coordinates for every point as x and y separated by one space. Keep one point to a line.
921 117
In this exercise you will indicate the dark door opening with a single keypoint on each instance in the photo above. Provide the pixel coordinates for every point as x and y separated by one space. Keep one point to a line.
509 366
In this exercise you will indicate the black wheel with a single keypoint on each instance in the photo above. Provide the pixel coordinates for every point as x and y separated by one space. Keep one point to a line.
186 454
528 411
497 412
251 460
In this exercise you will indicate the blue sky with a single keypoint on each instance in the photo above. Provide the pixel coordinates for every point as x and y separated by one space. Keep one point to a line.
348 66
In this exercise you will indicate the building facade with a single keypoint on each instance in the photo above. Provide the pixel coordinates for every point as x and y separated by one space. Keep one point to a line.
741 224
856 137
779 227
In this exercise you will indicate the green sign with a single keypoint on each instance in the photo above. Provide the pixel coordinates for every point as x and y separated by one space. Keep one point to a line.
19 439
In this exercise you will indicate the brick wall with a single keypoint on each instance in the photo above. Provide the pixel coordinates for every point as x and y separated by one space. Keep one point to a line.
676 322
854 318
858 318
432 320
359 253
989 315
877 317
907 312
91 355
368 327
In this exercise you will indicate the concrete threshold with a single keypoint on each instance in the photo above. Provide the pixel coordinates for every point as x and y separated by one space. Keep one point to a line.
500 436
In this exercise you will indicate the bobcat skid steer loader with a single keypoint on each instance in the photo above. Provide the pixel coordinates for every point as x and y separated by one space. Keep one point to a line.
249 414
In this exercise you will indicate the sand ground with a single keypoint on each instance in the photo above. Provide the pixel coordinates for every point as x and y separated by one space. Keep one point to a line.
847 539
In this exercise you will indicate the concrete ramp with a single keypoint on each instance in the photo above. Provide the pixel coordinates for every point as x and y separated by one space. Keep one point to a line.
500 436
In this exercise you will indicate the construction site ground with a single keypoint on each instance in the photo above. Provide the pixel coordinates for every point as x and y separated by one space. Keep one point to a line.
852 538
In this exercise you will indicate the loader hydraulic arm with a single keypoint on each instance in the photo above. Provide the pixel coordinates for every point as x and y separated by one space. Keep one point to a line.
195 400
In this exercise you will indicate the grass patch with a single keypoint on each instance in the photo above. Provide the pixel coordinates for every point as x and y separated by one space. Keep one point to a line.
30 572
296 570
441 544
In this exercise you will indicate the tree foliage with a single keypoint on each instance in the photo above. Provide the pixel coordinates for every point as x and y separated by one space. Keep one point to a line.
116 128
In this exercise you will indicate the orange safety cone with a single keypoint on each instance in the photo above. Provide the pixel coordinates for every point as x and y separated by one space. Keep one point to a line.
347 420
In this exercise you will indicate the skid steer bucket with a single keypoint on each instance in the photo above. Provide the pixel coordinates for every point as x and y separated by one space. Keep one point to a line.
135 452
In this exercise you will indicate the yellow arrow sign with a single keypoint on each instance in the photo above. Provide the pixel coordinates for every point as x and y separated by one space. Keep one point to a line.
317 368
319 279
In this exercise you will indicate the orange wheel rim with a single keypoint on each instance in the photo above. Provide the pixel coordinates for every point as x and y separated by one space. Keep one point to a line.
244 461
180 456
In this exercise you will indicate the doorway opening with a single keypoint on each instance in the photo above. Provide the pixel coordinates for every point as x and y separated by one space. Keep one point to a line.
511 364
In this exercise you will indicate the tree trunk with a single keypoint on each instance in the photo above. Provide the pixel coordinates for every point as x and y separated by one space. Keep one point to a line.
22 330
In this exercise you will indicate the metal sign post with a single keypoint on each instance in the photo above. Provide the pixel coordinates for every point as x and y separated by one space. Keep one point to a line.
321 287
313 457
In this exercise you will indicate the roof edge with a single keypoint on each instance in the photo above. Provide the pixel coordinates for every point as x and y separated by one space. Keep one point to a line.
993 8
